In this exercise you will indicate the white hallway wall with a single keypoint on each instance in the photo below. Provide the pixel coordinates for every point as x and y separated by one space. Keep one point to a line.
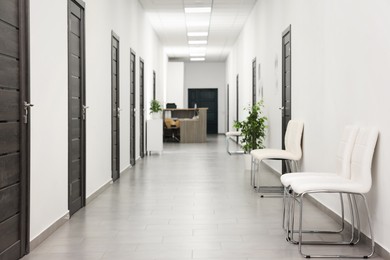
340 58
49 92
207 75
175 83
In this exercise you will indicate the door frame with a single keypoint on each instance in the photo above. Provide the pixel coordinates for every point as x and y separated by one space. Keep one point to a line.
24 50
83 100
114 36
285 32
142 106
132 113
283 107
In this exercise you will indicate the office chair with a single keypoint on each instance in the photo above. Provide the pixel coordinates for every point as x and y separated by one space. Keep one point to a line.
174 127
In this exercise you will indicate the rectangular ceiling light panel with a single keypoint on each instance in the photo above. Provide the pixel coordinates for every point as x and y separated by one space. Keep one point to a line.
197 59
197 10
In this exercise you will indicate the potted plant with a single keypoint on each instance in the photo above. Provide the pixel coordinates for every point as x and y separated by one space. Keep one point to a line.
155 109
253 128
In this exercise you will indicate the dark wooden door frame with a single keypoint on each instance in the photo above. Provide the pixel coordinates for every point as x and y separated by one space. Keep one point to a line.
24 55
80 4
254 88
132 108
142 106
22 122
286 90
115 109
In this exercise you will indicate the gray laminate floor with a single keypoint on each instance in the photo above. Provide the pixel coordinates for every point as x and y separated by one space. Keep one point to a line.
191 202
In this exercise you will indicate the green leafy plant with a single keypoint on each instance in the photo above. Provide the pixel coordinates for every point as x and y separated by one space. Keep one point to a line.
155 106
253 128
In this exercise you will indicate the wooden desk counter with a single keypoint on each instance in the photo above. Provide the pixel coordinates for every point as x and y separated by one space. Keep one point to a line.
192 129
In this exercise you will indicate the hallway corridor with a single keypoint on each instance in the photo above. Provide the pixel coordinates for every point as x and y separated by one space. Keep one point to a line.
193 201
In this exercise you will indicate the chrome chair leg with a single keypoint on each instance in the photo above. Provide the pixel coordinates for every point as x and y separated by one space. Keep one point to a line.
290 231
301 242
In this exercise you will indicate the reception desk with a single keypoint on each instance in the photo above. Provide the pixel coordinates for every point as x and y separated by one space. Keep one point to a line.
193 123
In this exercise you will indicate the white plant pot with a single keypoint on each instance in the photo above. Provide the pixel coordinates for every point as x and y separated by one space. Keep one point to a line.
248 161
156 115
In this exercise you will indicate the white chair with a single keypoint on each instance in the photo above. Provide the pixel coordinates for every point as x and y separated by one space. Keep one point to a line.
291 155
343 160
229 137
357 184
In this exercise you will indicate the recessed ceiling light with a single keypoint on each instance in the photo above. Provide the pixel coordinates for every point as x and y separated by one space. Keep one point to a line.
197 59
198 42
197 34
197 10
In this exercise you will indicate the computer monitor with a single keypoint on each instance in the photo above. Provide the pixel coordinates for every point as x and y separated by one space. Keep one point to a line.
171 105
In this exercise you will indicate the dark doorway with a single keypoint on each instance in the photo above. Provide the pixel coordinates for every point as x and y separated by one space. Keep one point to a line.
254 98
77 107
141 108
132 107
154 84
115 108
14 130
206 98
286 83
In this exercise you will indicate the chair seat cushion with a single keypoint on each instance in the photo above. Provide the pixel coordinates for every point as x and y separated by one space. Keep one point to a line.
262 154
233 133
287 178
327 183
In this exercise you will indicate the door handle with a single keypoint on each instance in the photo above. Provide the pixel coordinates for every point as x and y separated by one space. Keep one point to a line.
118 112
84 112
27 107
281 108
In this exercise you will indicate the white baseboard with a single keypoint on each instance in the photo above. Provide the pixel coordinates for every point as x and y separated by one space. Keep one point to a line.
34 243
97 192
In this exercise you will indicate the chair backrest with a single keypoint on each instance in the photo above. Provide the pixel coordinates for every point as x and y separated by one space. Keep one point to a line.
363 151
344 152
293 137
169 122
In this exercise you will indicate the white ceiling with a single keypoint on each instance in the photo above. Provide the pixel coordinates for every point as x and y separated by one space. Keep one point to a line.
171 24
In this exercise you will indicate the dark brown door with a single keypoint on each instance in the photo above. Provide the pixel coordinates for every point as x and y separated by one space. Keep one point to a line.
206 98
286 83
141 108
132 108
115 109
14 130
77 108
254 98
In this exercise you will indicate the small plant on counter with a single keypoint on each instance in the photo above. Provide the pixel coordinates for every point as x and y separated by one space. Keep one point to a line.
155 106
